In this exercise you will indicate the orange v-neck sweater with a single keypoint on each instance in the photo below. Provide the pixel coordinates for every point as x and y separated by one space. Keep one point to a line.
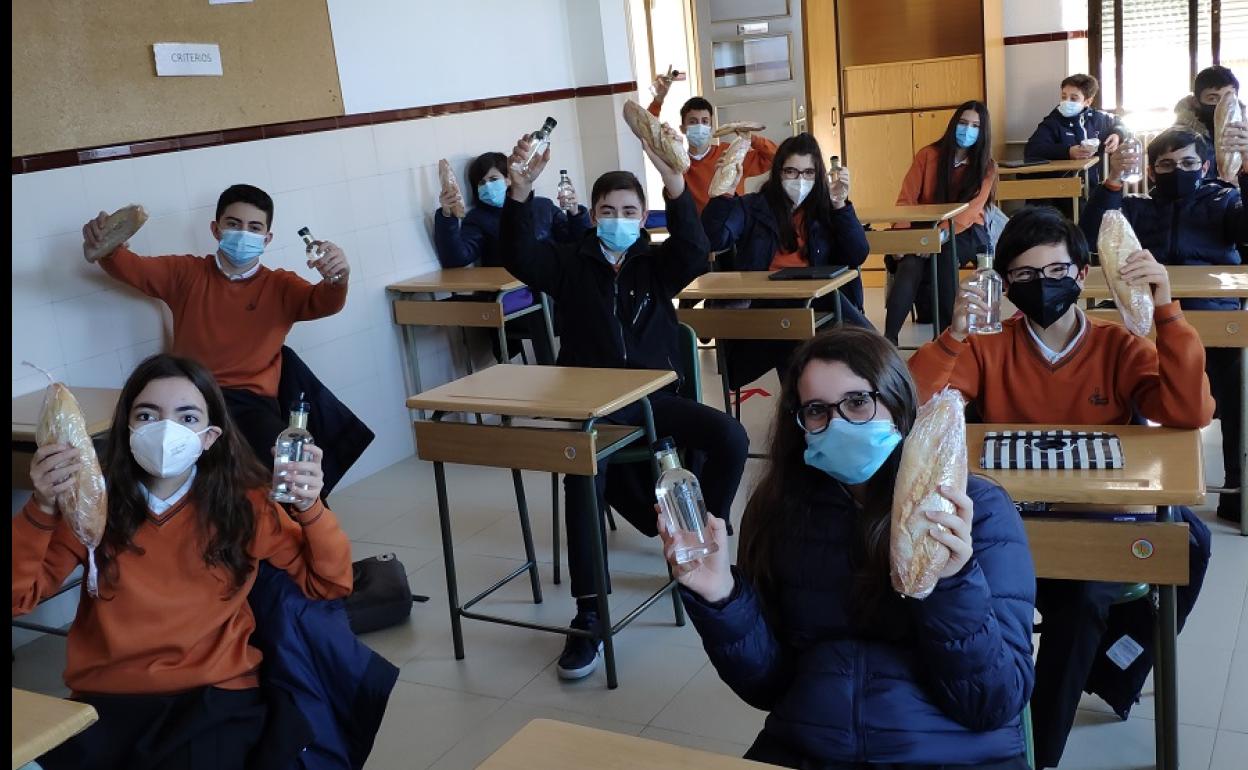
170 623
235 328
1097 383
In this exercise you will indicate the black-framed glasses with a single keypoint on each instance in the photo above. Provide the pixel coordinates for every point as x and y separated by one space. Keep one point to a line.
1166 165
788 172
1054 270
857 408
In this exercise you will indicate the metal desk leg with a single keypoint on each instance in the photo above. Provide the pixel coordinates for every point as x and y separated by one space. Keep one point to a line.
554 519
526 532
463 335
721 353
550 324
504 353
1243 439
1165 674
448 560
953 257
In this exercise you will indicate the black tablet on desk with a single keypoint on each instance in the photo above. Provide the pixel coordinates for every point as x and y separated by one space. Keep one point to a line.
813 272
1020 163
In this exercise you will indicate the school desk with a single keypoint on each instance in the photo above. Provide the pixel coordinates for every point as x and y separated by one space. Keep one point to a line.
1070 184
41 723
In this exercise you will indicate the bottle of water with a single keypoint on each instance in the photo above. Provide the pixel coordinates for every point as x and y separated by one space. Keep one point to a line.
290 449
988 281
682 505
1133 171
541 140
836 188
565 192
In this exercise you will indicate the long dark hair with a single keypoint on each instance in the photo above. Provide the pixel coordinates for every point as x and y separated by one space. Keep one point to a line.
781 501
978 158
225 473
817 205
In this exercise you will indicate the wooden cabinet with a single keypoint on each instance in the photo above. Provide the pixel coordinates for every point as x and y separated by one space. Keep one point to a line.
911 85
928 126
879 87
948 82
878 151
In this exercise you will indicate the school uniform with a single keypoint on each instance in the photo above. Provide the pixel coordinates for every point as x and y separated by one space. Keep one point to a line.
748 223
625 319
1056 134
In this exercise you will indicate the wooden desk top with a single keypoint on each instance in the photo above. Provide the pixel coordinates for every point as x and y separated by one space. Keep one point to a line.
756 285
1185 281
557 392
459 279
41 723
1163 467
97 409
562 746
1049 167
931 212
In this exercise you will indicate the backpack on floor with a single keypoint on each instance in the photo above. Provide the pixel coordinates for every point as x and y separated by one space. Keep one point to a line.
382 596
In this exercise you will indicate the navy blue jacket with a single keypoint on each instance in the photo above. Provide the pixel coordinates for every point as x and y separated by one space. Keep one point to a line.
948 690
311 656
1200 229
612 319
1055 135
747 222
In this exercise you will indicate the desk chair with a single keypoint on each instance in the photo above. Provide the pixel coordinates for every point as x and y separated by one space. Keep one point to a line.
690 387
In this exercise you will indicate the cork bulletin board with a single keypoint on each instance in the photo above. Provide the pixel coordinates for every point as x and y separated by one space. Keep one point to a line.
84 75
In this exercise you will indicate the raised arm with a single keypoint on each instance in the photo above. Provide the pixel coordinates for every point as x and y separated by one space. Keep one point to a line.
686 253
459 242
759 159
45 550
538 263
725 221
1103 199
946 361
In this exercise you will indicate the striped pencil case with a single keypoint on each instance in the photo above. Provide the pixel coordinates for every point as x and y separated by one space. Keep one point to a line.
1051 450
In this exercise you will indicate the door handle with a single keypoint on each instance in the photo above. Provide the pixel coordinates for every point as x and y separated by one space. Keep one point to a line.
833 117
799 123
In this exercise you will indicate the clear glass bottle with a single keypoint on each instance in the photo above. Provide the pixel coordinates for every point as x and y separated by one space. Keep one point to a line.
1133 171
565 192
681 503
989 282
310 249
290 448
541 140
836 188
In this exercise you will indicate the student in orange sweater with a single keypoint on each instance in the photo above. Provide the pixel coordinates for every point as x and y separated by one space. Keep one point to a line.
958 168
162 653
230 312
696 117
1054 365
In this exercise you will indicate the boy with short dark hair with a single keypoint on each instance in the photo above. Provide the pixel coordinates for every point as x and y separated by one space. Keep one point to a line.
1062 133
1195 111
1101 375
614 290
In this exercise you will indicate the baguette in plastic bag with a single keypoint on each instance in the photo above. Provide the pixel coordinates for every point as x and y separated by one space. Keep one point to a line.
1228 111
1115 242
934 455
450 185
85 505
661 138
120 227
730 168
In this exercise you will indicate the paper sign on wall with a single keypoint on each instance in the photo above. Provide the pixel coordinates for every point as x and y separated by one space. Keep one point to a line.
187 58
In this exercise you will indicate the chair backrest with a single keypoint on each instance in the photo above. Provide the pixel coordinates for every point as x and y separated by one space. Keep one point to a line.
691 387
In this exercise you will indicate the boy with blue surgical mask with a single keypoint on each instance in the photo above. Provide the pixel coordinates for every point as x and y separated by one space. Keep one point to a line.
231 312
1063 132
614 289
473 239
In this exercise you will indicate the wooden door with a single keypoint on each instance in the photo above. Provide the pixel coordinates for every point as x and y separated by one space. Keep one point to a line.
928 126
878 87
822 84
948 82
878 154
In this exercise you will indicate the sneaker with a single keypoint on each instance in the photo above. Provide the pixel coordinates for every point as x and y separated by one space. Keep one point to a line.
581 656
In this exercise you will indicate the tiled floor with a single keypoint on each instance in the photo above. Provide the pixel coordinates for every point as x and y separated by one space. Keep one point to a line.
447 714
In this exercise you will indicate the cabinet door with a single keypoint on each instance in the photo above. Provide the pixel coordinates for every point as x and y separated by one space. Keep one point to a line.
929 126
948 82
878 87
878 153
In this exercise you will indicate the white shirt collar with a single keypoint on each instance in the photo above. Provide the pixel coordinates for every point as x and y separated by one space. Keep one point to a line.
241 276
607 254
1054 356
158 506
709 145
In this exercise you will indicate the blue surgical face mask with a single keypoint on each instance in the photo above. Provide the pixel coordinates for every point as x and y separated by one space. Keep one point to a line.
241 246
699 135
493 192
618 234
851 453
967 136
1069 109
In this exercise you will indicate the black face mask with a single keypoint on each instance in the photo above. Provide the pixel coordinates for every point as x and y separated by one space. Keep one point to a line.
1044 300
1177 183
1206 113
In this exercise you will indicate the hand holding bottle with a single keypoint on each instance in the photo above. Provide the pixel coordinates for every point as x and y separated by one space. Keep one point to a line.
971 300
304 479
522 180
1121 163
838 186
709 577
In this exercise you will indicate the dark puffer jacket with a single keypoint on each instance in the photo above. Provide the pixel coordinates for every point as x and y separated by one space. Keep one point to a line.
1056 134
946 687
1203 228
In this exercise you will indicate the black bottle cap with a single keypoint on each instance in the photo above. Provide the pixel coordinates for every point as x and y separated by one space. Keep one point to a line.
665 444
305 231
563 171
549 124
300 405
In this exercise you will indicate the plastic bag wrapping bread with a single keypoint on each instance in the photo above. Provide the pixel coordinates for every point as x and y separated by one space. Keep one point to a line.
85 505
1114 243
661 138
739 127
934 456
1228 111
450 186
120 227
730 167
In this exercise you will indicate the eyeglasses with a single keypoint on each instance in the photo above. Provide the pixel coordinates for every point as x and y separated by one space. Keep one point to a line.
1054 270
1167 165
788 172
857 408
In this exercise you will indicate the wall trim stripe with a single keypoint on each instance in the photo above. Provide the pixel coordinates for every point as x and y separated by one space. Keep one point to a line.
26 164
1047 37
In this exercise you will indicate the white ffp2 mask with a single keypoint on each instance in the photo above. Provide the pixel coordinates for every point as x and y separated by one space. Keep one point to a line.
165 449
